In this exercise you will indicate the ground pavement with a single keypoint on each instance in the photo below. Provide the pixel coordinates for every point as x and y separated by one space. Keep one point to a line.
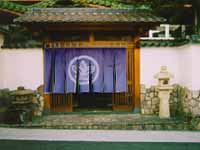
45 139
99 135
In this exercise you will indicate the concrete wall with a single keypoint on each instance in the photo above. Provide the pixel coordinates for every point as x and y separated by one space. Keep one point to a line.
25 66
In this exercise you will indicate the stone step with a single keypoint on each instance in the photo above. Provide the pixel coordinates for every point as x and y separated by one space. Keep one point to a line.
106 122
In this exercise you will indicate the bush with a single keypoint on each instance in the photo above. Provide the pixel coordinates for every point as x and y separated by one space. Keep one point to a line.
5 97
177 107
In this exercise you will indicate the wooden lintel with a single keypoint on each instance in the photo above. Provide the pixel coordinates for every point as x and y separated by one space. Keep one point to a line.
136 28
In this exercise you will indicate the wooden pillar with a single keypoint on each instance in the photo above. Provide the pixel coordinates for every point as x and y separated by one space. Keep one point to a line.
91 38
137 74
47 103
47 97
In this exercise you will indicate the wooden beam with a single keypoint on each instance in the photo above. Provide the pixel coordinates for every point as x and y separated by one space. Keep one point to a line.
133 27
74 44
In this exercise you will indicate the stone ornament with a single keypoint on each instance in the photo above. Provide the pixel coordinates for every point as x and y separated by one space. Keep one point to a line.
163 77
164 90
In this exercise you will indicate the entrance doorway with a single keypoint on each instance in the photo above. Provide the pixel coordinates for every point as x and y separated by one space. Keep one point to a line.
114 100
92 102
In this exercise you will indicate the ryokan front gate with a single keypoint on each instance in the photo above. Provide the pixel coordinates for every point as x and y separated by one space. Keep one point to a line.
124 28
120 101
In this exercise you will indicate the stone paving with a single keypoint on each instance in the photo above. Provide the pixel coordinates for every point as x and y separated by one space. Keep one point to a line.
106 121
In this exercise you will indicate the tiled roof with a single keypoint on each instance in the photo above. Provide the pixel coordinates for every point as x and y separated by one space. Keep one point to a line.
87 15
164 43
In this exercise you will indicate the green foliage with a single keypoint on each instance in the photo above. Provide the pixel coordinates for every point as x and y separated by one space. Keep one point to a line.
51 3
181 95
194 123
13 6
44 4
5 98
20 8
178 110
114 4
18 36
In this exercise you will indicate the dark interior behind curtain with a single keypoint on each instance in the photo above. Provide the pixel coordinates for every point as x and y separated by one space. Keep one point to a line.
71 70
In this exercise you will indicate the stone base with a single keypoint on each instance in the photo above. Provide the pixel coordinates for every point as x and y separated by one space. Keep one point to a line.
189 100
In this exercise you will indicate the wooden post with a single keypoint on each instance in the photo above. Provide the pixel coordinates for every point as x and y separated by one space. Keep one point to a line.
47 103
91 38
137 75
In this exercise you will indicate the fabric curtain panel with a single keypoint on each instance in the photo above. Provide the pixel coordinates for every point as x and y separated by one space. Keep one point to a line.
71 70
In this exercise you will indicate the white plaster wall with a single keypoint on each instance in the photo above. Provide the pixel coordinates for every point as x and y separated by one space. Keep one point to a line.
185 66
183 62
153 58
195 66
25 66
21 67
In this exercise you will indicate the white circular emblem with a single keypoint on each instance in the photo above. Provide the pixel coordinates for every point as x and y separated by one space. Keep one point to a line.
84 61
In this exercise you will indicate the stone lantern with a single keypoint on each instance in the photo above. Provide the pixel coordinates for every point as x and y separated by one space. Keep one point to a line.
22 105
164 90
22 96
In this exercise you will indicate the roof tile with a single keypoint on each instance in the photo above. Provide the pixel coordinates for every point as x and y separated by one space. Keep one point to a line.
87 15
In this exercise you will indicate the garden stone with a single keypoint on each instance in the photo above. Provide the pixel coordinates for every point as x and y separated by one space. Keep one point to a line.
196 111
192 103
40 89
195 94
152 88
142 97
143 89
151 94
148 98
189 94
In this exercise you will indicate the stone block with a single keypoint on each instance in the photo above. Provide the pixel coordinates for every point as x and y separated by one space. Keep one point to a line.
142 97
151 94
156 94
195 111
195 94
193 103
155 101
142 111
40 89
152 88
198 99
148 103
147 111
142 89
148 98
188 94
